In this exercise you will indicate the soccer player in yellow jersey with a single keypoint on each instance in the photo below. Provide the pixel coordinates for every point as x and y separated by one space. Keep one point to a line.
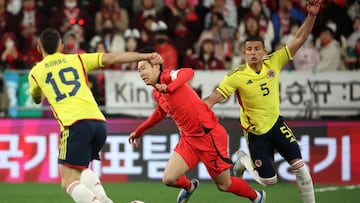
62 79
256 85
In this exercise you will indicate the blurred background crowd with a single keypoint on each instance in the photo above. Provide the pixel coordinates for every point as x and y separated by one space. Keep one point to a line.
201 34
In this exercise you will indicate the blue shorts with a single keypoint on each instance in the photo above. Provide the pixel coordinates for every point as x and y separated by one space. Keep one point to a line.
81 143
262 147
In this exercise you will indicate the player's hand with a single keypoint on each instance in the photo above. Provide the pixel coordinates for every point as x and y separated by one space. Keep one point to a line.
313 7
156 59
134 140
161 87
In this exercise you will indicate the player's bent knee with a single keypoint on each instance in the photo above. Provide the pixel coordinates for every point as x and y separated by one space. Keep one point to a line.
269 181
168 180
222 187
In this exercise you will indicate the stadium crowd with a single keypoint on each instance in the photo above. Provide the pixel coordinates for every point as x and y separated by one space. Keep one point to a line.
200 34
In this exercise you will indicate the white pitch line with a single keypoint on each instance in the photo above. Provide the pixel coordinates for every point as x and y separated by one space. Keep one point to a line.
336 188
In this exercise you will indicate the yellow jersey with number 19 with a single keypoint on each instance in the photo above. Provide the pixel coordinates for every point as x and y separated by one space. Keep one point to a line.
258 93
62 78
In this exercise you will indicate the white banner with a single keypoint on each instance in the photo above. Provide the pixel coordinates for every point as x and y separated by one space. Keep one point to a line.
303 94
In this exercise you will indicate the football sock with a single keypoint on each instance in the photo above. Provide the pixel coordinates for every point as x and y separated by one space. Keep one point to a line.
304 181
91 180
81 194
241 188
183 182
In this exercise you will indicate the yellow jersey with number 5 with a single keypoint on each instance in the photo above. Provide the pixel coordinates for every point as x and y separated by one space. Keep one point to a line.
258 93
62 78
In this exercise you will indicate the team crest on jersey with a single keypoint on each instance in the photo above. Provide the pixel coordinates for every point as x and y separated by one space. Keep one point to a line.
271 74
258 163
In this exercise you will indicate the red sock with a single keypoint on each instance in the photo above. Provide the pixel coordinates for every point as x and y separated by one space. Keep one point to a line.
183 182
241 188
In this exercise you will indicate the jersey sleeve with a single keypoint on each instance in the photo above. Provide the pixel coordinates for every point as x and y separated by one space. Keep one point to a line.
34 89
226 86
92 61
157 116
179 77
281 57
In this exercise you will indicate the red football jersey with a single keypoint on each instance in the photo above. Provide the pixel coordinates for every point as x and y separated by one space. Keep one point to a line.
182 103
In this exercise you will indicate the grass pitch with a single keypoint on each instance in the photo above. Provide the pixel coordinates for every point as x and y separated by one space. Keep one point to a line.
156 192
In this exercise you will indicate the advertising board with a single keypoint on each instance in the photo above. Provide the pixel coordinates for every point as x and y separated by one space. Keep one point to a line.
29 150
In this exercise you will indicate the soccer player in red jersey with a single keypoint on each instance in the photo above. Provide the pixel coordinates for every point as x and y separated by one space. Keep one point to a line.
202 138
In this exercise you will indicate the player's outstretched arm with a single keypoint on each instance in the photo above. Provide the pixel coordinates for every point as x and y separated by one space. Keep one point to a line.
214 98
313 7
127 57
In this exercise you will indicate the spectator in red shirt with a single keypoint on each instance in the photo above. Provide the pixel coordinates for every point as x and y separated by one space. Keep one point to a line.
163 46
184 26
7 19
202 138
147 9
11 56
205 59
69 14
111 9
31 20
132 37
32 55
71 43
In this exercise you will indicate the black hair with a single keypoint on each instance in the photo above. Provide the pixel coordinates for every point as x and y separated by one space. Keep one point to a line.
49 40
150 49
219 16
201 52
256 38
147 50
328 29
